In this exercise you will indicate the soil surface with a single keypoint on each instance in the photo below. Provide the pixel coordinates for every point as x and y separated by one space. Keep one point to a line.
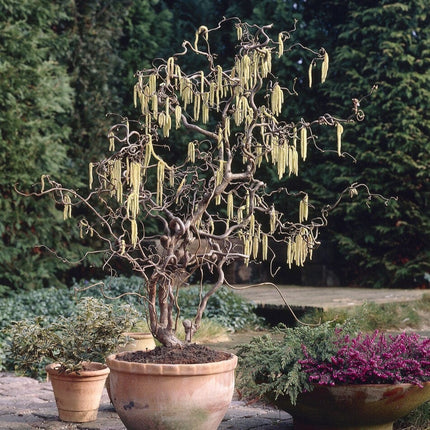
188 354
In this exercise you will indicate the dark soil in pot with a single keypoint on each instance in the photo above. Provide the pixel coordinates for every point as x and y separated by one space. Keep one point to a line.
188 354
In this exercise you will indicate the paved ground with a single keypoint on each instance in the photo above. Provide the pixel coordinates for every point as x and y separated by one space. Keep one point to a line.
26 404
322 297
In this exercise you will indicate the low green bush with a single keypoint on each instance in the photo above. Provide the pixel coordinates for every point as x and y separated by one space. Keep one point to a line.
91 332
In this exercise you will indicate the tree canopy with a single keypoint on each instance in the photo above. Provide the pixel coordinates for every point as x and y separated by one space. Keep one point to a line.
64 65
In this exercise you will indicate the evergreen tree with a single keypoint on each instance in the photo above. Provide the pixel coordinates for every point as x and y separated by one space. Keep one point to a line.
36 102
383 43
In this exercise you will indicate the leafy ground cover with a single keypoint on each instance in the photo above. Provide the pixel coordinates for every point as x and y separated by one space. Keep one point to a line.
226 312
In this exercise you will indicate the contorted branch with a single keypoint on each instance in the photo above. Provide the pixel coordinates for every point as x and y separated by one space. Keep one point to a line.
211 207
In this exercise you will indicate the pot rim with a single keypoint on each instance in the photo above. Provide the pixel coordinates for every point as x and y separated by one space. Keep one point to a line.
99 369
171 369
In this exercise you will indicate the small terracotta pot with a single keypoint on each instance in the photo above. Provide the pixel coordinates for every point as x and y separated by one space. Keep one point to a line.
171 396
140 342
78 394
361 407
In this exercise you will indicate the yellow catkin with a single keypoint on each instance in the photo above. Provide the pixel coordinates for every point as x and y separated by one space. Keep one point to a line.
255 246
303 208
252 225
205 108
219 138
90 176
276 99
230 206
211 226
220 173
160 182
202 82
197 102
111 137
127 170
178 116
170 67
135 93
339 131
167 125
273 220
227 129
178 191
310 74
67 210
42 183
219 77
154 103
152 83
178 76
239 31
212 88
133 232
116 180
122 247
191 152
289 253
280 45
132 205
247 244
148 153
264 246
240 214
304 142
324 68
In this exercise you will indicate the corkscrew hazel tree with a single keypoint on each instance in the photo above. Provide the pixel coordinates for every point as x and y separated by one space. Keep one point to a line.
211 207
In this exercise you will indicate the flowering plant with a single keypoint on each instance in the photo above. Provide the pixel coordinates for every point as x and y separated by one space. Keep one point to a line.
372 359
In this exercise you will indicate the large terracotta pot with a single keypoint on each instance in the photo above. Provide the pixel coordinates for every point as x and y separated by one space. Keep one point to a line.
78 394
360 407
139 341
171 396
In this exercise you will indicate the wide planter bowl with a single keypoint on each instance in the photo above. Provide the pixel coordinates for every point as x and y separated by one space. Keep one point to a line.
78 394
171 396
349 407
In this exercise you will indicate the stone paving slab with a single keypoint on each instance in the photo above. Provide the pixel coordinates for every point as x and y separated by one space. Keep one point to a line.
324 297
26 404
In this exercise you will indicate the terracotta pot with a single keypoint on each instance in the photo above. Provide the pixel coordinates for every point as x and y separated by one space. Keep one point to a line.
171 396
139 342
78 394
361 407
